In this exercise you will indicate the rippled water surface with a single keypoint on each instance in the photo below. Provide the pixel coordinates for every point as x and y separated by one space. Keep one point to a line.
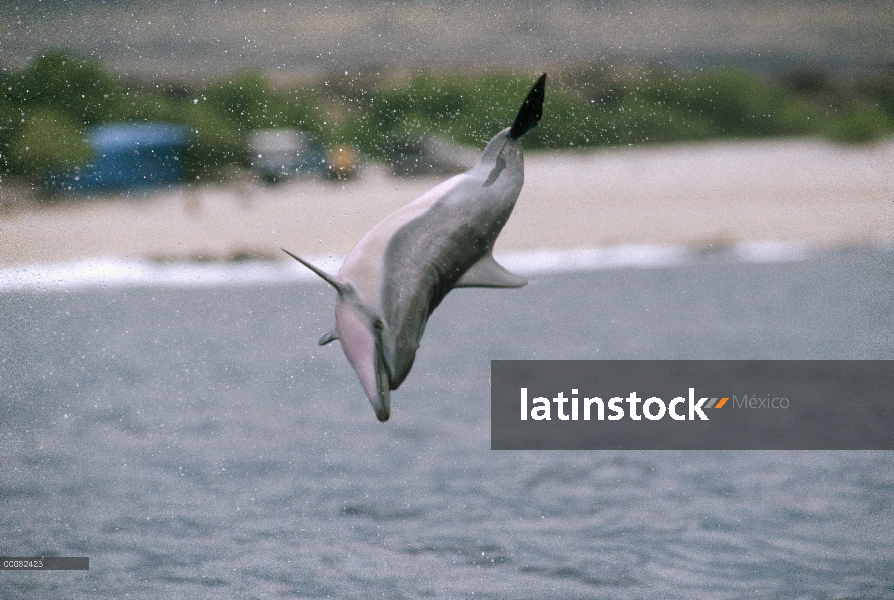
197 443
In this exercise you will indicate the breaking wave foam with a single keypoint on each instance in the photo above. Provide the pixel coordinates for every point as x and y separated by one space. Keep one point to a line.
108 272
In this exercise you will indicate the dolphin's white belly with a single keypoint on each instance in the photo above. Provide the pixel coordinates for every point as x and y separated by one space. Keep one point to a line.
364 267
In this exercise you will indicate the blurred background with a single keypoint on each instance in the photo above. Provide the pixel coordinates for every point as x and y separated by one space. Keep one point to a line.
376 79
710 180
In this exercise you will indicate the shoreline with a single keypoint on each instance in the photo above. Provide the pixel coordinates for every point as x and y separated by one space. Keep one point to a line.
707 196
531 264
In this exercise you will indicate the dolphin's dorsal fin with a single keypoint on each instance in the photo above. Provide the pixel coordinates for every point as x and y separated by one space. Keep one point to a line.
488 273
328 337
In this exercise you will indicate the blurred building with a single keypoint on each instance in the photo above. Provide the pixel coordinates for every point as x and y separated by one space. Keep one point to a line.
430 156
128 156
278 154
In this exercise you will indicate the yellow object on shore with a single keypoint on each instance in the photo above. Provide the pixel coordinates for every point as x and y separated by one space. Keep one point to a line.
343 161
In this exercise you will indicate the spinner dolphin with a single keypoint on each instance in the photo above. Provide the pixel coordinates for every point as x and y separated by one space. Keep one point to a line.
402 269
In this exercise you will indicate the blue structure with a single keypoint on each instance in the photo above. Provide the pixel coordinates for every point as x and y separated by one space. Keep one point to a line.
128 156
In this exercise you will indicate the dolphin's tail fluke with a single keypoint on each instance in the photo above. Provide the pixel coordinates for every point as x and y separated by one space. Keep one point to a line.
339 287
531 110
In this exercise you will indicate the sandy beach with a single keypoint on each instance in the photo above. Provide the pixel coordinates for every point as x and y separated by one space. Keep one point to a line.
700 195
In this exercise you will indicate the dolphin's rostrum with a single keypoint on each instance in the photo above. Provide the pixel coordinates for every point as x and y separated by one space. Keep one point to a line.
399 272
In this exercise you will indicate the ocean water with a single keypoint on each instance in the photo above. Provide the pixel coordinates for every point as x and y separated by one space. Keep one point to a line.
195 442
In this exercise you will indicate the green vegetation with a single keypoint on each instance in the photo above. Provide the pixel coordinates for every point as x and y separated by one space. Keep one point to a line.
47 108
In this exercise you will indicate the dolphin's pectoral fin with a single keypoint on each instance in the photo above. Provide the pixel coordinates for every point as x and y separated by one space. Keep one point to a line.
339 287
328 337
488 273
